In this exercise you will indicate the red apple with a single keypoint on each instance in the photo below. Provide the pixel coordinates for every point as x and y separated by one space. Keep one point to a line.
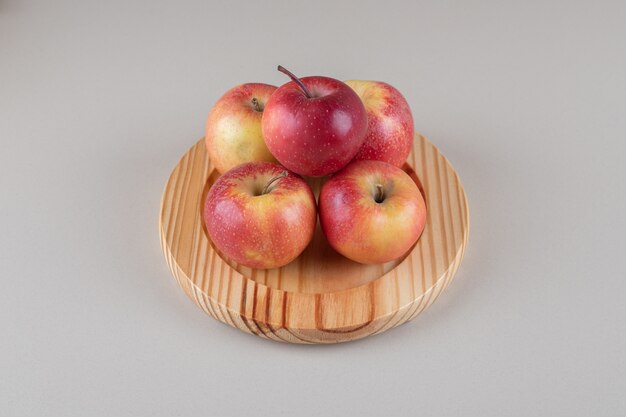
315 125
371 212
233 128
390 131
260 215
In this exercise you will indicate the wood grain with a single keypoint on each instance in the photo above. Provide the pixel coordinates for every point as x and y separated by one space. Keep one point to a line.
320 297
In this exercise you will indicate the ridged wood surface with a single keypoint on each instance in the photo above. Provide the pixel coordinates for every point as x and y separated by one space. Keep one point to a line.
320 297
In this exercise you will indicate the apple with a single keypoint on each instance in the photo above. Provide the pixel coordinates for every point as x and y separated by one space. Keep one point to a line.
314 126
390 131
260 215
371 211
233 128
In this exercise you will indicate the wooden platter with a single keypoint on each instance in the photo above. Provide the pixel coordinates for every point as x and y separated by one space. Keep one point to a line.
320 297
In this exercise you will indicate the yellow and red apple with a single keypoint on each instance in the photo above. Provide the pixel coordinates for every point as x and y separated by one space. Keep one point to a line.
260 215
389 136
233 128
371 211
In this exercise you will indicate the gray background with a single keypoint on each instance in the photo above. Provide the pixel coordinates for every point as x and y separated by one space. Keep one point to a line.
99 100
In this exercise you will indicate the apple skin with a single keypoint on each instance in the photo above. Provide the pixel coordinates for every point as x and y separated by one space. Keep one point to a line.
363 230
260 231
390 127
233 128
314 136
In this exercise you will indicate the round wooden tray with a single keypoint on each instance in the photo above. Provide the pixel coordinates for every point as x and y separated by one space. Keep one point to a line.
320 297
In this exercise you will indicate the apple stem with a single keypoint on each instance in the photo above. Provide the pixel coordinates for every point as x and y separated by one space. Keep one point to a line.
273 180
380 193
256 105
296 80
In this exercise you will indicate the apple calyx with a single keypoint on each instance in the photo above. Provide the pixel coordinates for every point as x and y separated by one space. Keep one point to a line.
380 194
296 80
266 189
256 105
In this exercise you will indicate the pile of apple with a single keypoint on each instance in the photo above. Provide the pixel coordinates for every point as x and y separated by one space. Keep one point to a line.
263 214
